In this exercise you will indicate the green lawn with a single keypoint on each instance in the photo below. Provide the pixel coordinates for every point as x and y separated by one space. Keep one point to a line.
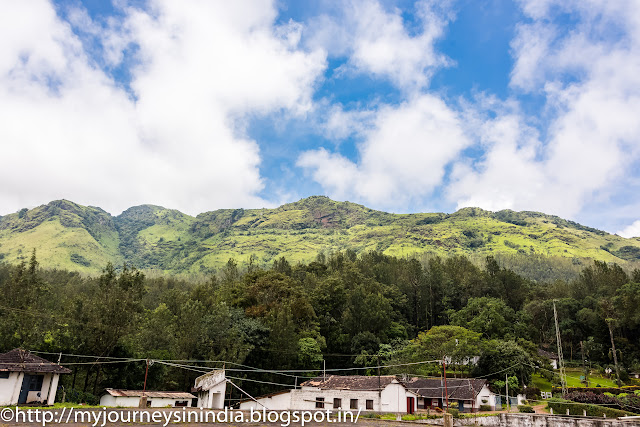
573 380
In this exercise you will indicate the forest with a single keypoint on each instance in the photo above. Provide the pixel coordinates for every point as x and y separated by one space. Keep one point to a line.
344 312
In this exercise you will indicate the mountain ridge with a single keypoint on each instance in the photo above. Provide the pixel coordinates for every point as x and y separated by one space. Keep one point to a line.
84 238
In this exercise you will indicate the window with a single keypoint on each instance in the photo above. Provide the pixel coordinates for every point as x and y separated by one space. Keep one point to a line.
353 404
320 402
369 404
4 375
337 403
35 383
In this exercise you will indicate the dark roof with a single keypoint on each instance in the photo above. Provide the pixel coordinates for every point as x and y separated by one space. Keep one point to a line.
19 360
457 388
547 354
150 393
351 382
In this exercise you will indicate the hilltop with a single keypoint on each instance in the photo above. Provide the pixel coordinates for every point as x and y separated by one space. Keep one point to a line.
84 238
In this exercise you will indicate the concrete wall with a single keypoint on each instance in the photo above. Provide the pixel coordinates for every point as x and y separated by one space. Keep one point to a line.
488 395
10 388
134 402
212 387
122 401
392 398
278 402
539 420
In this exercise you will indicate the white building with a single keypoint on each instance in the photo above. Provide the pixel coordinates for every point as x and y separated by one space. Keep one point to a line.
26 378
552 357
211 389
374 394
464 394
155 399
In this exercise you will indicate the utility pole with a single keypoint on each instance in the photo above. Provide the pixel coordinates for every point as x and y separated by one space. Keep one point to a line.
615 355
584 366
146 373
506 384
324 370
446 393
379 380
563 379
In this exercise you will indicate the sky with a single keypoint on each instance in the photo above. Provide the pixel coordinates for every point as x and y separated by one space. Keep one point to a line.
403 106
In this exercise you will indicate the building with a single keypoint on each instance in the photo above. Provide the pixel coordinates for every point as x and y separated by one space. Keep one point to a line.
552 357
211 389
26 378
334 392
464 394
155 399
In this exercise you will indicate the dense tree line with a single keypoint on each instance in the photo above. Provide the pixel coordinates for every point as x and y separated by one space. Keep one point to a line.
343 310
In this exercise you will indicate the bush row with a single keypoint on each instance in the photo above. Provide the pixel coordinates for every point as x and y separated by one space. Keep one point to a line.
560 406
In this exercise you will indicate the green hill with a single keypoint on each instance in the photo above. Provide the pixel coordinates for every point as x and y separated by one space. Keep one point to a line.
67 235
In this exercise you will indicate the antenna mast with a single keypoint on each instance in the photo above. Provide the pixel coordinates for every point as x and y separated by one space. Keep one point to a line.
563 380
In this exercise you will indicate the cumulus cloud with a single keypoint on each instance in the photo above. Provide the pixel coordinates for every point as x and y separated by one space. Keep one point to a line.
402 156
590 77
70 130
379 42
632 230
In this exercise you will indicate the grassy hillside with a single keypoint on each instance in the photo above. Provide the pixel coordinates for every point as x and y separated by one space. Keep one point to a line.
67 235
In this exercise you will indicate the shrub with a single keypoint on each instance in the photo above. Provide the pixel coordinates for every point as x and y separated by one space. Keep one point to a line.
526 409
532 393
560 406
455 412
485 407
78 396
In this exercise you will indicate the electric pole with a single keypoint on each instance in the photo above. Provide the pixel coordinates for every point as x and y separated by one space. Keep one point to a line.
584 366
506 384
563 380
613 349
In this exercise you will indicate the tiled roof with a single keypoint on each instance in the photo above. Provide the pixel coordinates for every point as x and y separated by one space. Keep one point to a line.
352 382
19 360
547 354
149 393
457 388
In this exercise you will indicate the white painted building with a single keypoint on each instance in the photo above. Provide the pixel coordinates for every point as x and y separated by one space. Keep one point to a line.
27 378
552 357
155 399
464 394
368 394
211 389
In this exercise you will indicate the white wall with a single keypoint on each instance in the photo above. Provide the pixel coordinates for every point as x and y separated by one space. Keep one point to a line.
485 394
134 401
53 389
8 393
122 401
278 402
10 389
392 398
213 388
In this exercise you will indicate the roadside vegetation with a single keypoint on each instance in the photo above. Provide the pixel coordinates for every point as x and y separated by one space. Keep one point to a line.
341 310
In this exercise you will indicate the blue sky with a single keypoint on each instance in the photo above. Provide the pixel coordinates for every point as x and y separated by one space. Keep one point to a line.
402 106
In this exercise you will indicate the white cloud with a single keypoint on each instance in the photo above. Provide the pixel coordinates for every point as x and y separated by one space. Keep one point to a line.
380 43
402 158
632 230
71 131
590 77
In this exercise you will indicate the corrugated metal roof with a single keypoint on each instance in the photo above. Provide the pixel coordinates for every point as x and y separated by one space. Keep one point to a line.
150 393
19 360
